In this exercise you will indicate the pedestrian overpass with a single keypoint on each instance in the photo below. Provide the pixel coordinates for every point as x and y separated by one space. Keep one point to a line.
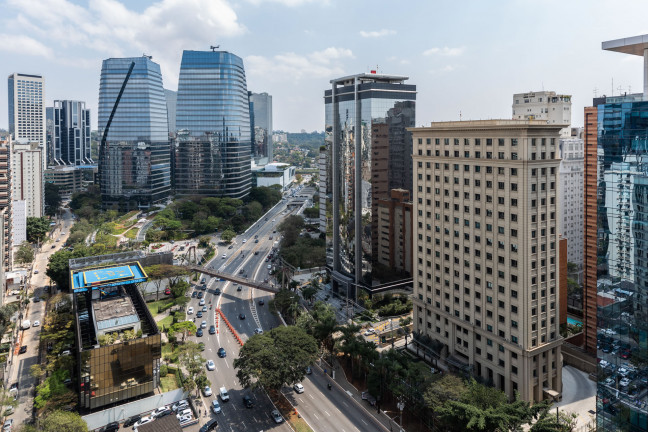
263 286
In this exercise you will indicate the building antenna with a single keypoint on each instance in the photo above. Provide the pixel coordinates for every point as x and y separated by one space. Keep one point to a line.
595 92
147 56
214 47
459 115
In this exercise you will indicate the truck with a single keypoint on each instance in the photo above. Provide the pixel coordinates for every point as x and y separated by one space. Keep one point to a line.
25 325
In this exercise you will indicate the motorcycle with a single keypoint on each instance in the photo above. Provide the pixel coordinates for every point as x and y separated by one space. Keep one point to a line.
329 386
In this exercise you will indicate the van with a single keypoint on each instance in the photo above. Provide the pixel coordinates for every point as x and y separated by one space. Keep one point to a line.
223 394
26 325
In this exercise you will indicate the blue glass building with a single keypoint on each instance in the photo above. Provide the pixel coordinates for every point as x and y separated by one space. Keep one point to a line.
213 148
622 285
134 168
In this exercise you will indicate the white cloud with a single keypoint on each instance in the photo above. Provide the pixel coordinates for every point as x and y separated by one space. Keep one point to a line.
445 51
376 34
110 28
318 64
20 44
444 69
289 3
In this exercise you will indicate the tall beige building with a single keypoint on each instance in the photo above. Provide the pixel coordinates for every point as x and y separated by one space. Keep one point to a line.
27 176
486 237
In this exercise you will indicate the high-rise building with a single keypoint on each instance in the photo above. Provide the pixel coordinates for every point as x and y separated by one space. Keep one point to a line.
364 112
213 117
134 165
27 176
261 126
393 231
71 134
27 108
544 105
5 203
570 195
619 271
486 235
171 101
19 221
324 190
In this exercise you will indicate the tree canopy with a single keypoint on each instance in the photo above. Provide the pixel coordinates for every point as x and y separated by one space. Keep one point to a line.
63 421
275 358
52 199
25 253
37 227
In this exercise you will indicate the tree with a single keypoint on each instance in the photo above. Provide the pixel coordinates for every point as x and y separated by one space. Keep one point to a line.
52 199
191 359
276 358
548 422
228 235
63 421
25 253
404 327
184 328
37 227
58 268
159 272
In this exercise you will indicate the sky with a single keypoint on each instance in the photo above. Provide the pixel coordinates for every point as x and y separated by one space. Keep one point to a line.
467 58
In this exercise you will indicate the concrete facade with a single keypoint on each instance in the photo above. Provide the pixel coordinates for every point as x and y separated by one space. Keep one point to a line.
544 105
27 176
570 193
19 221
274 174
5 203
486 238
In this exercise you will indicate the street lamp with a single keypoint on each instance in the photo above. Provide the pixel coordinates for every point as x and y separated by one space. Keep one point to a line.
401 406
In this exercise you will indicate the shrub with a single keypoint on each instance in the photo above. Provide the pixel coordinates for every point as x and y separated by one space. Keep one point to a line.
164 370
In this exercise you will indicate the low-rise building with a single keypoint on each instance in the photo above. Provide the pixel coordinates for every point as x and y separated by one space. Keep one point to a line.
273 174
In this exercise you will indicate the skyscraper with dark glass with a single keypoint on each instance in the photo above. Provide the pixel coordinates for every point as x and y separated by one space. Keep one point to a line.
134 164
261 127
71 134
369 154
213 148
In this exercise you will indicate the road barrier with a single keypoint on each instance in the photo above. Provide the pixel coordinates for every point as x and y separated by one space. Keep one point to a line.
229 326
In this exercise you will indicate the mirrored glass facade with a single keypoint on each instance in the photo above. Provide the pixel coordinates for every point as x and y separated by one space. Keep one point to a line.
369 150
261 125
622 284
71 134
213 118
135 169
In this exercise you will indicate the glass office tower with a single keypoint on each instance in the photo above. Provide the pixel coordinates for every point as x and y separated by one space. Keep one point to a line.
134 168
622 285
71 134
213 122
369 154
261 126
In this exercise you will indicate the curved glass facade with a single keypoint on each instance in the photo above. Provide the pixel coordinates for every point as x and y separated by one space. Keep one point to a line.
135 169
622 285
213 121
370 150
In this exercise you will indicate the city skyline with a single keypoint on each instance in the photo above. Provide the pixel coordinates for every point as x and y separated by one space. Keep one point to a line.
516 48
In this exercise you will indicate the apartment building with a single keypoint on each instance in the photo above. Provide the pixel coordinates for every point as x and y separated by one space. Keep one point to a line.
486 235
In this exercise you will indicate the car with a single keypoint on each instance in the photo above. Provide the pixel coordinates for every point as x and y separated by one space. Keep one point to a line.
7 425
276 416
244 240
216 407
201 302
625 382
201 294
299 388
199 314
194 294
224 256
36 299
201 346
241 271
130 421
203 324
212 329
142 421
210 365
222 392
207 391
256 241
184 412
241 316
203 280
199 332
111 427
217 291
58 239
204 309
273 220
239 288
36 323
184 418
309 371
609 381
222 353
54 246
258 331
247 401
13 387
35 271
603 363
230 246
269 266
623 371
203 287
190 310
160 412
369 331
261 302
66 352
167 291
209 426
23 349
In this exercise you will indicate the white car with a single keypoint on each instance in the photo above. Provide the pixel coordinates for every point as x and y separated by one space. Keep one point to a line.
190 311
207 391
603 363
201 302
224 256
203 324
299 388
258 331
276 416
269 266
210 365
36 323
625 382
369 331
142 421
184 418
216 407
273 220
180 405
623 371
223 394
244 240
158 411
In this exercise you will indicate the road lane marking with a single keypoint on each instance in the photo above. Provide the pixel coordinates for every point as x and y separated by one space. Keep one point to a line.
327 413
364 422
314 414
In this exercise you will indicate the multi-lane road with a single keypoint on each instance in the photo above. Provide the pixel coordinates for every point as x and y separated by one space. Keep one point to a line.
325 410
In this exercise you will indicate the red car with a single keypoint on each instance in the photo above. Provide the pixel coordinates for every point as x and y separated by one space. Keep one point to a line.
167 291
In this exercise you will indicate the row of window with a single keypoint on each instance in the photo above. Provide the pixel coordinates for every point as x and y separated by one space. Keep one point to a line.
489 141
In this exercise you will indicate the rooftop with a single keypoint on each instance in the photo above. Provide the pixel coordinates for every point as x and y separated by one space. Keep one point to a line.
372 77
489 124
634 45
114 312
